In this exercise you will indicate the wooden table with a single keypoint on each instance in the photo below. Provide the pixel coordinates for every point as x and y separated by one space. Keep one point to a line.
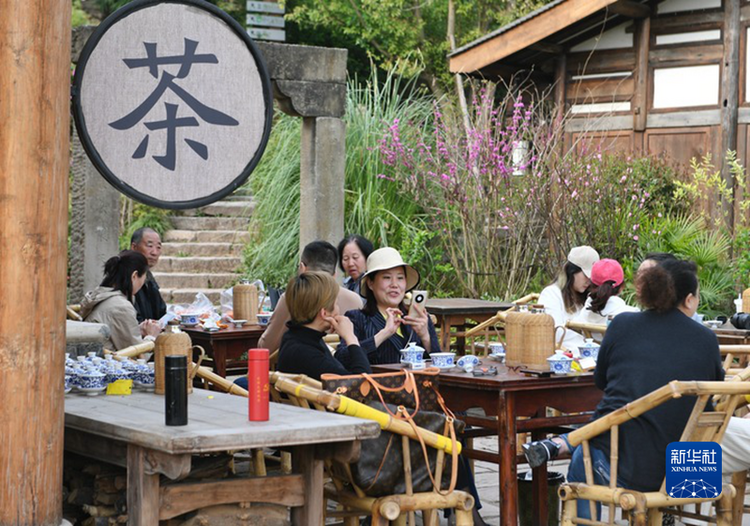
456 312
225 346
129 431
504 398
732 336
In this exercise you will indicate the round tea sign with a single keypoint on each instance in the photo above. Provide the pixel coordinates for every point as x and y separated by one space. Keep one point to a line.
172 102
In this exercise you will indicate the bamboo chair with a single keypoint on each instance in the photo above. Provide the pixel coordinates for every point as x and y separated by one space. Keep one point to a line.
587 329
73 312
400 509
732 353
647 507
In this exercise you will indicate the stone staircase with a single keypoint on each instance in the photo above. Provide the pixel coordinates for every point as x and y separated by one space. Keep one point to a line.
203 252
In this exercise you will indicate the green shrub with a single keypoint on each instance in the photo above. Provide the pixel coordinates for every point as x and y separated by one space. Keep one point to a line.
142 216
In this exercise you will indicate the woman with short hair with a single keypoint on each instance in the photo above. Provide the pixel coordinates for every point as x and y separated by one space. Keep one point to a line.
311 299
111 303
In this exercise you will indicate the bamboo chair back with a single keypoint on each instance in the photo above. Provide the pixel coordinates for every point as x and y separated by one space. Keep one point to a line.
645 508
588 330
740 353
489 328
306 392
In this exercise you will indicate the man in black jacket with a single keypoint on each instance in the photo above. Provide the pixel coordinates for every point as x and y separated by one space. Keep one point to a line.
149 304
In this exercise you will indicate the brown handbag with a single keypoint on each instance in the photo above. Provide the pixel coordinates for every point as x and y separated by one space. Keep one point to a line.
406 395
396 388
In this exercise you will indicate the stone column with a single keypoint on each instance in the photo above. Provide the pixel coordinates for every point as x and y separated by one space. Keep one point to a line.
323 160
94 225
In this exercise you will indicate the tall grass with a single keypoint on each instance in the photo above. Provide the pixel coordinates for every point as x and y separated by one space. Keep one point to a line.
374 207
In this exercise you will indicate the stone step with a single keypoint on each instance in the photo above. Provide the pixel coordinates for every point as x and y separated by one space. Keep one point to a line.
206 236
199 264
224 209
187 280
209 223
202 249
239 197
188 295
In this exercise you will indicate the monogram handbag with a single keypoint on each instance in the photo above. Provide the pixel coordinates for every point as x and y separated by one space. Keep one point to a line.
409 396
416 390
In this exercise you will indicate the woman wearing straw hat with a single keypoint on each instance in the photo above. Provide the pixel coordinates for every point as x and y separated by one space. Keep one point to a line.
382 326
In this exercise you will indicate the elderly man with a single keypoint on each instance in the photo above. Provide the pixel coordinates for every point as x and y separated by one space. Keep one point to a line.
149 304
318 255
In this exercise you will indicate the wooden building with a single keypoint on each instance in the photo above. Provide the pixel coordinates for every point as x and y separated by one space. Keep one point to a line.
667 78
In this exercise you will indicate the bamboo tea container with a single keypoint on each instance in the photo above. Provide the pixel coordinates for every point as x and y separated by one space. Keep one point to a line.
746 300
530 339
171 342
245 299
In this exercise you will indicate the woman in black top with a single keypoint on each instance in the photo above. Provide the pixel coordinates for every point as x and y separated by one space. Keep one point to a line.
311 298
382 326
640 353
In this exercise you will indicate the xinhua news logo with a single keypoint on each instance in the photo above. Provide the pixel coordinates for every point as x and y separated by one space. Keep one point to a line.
693 470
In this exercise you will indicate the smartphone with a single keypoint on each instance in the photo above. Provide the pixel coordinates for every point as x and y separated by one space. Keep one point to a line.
418 297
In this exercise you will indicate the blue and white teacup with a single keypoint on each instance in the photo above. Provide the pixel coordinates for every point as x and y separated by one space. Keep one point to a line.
189 320
444 360
92 380
468 360
590 349
412 354
559 363
264 318
68 383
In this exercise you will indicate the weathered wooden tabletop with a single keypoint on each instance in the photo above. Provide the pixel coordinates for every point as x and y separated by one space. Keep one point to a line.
217 422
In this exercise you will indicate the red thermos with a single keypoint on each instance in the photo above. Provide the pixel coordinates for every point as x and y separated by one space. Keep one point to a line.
257 384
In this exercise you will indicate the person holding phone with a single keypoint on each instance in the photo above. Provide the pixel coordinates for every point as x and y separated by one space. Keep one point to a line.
383 326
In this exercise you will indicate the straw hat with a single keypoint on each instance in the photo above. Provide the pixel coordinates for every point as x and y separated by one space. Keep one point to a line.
385 259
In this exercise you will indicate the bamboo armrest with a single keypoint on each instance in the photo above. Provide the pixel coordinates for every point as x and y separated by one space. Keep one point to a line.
534 296
581 326
497 318
645 403
734 349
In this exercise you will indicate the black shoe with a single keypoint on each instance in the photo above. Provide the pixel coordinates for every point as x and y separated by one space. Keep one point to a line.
540 451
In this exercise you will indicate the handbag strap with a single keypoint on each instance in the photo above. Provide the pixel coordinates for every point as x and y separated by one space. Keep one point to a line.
409 380
454 452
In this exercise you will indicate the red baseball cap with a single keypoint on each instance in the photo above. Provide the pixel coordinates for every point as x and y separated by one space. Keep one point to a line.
607 270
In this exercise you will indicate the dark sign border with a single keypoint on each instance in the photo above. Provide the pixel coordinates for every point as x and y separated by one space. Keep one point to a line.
91 150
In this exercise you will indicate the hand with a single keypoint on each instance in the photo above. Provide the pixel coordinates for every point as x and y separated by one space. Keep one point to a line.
150 328
343 326
393 321
419 323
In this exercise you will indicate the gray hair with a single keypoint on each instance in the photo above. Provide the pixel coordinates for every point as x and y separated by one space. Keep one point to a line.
138 234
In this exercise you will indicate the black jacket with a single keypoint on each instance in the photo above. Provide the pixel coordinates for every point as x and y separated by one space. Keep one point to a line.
640 353
149 304
366 327
303 351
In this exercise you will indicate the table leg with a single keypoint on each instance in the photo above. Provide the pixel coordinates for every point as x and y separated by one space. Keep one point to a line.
311 514
445 335
220 358
506 438
539 487
143 490
461 340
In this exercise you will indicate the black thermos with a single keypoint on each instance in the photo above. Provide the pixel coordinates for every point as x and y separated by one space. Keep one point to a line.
175 390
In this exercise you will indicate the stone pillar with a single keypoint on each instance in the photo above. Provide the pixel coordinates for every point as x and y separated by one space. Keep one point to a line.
34 163
323 160
94 225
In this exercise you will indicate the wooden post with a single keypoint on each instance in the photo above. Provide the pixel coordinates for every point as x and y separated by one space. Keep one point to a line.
730 94
640 93
561 79
34 129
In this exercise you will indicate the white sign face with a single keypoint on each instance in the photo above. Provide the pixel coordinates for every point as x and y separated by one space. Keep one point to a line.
172 102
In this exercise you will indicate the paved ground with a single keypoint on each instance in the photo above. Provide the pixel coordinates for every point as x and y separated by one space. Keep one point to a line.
488 484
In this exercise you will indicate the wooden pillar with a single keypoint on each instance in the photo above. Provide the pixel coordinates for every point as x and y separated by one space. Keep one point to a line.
730 94
34 129
640 92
